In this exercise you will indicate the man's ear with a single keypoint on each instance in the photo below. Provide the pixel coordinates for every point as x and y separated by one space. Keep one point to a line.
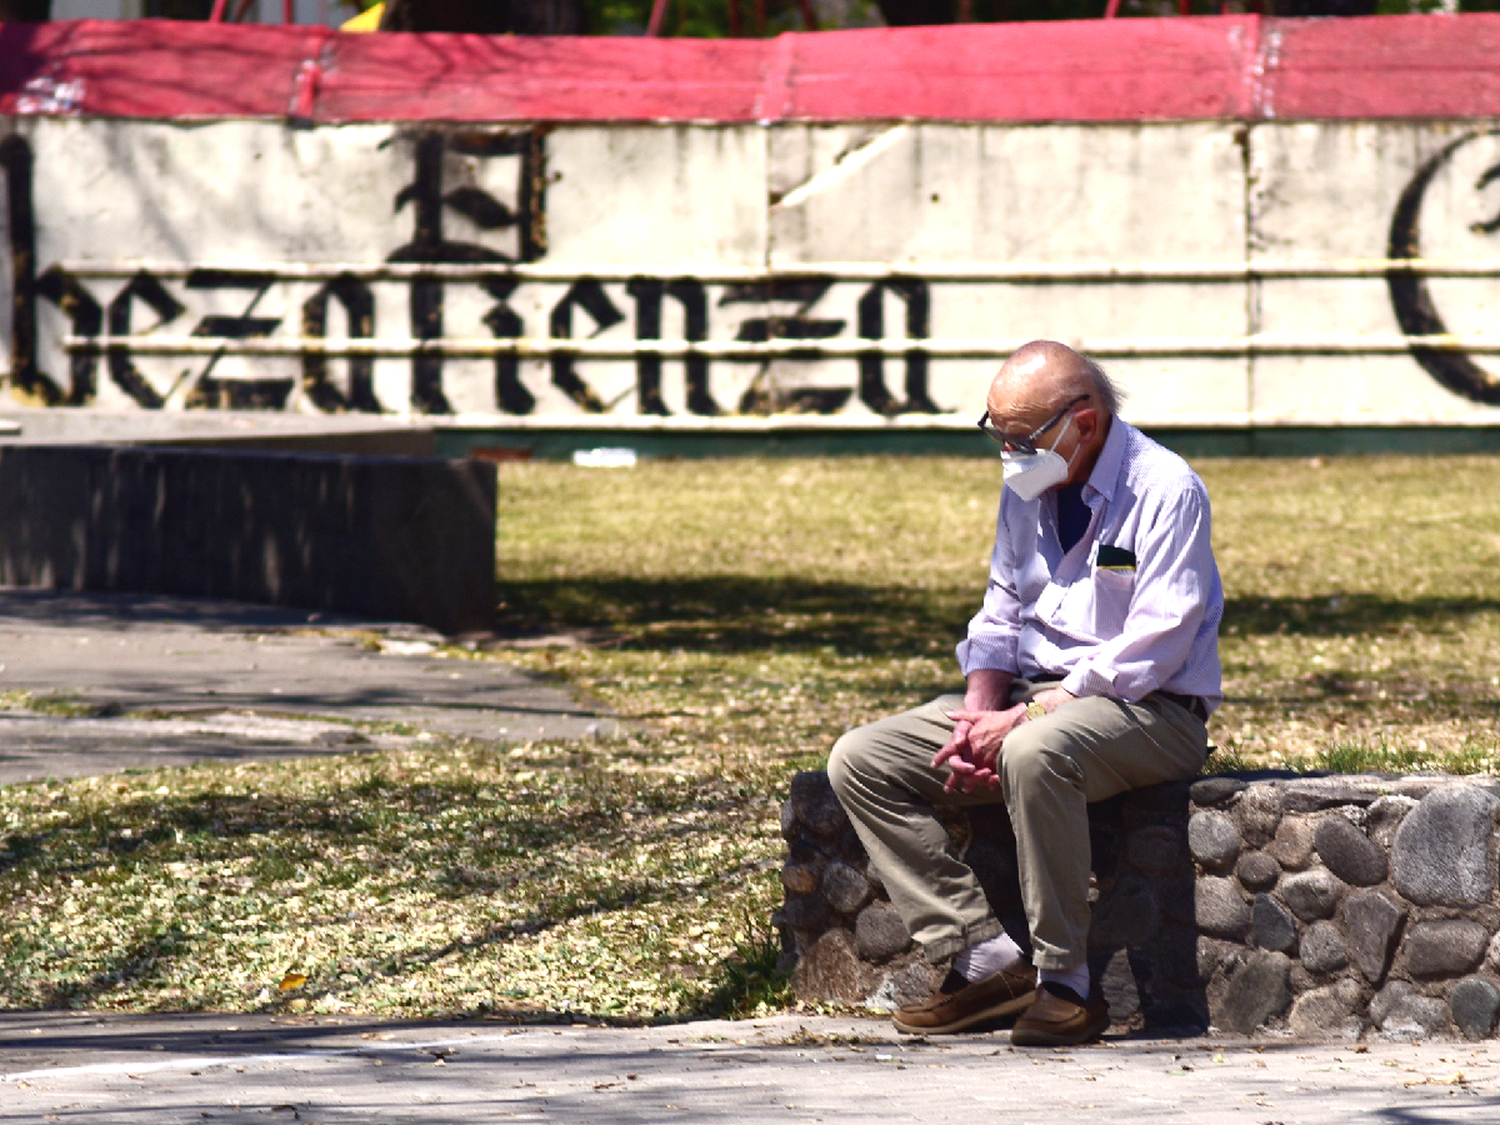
1087 421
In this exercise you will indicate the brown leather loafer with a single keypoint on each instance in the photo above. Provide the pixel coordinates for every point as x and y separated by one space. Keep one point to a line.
1055 1021
1002 993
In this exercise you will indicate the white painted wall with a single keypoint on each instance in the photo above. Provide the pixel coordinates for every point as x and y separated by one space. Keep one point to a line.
1177 211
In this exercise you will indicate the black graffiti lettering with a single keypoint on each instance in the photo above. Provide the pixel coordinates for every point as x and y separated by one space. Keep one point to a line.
487 213
149 291
1411 297
17 160
359 307
236 394
426 304
760 329
802 292
425 194
503 321
430 205
1490 176
648 294
429 244
87 319
590 296
873 391
244 326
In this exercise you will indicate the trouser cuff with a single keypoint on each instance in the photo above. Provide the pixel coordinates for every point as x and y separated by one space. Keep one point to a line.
944 948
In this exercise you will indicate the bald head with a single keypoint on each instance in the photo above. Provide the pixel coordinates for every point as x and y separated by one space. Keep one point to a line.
1045 381
1042 375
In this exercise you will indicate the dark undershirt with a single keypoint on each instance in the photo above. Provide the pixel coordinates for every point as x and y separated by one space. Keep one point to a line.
1072 515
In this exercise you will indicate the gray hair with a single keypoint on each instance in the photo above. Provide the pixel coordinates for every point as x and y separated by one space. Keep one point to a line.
1103 387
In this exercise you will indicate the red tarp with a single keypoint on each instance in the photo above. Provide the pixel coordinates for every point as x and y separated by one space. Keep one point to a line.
1214 68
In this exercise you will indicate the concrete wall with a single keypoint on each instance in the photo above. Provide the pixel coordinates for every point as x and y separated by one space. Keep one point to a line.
406 539
1231 263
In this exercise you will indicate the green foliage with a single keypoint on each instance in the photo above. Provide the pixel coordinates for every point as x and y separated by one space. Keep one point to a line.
1383 756
717 19
751 982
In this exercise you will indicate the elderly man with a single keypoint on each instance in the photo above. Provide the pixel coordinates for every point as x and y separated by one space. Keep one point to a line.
1091 669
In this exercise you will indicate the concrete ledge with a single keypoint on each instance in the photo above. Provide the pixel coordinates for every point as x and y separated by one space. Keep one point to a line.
368 435
1253 904
407 539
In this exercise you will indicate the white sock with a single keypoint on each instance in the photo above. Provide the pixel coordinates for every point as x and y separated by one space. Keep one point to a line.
1077 978
987 957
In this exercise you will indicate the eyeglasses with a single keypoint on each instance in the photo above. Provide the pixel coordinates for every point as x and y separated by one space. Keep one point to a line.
1026 444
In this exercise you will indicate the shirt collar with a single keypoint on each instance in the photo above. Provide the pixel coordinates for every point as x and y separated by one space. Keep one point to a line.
1111 458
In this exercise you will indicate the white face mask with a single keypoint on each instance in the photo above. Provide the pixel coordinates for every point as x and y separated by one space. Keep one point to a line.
1029 475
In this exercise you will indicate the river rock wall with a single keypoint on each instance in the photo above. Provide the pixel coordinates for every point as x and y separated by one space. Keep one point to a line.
1248 904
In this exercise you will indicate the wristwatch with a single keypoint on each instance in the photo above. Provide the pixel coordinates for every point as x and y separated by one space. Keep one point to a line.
1035 710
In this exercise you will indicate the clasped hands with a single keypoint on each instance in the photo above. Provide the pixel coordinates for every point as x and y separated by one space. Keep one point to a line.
974 746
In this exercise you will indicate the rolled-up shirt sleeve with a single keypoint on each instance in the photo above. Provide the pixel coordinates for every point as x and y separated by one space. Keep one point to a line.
995 631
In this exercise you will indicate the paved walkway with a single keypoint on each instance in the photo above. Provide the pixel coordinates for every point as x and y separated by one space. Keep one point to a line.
117 681
93 1070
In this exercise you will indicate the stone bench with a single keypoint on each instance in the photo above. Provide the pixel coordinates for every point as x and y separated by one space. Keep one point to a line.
1250 903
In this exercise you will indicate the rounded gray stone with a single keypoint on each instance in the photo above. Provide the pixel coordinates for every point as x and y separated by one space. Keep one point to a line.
807 912
910 984
1446 948
815 806
879 933
830 970
845 888
1400 1012
1213 839
1213 954
1258 812
1349 853
1219 908
798 878
1271 927
1385 815
788 821
1157 849
1326 1013
1311 894
1207 792
1118 984
1259 991
1127 913
1440 853
1293 845
1257 871
1371 921
1323 949
1475 1003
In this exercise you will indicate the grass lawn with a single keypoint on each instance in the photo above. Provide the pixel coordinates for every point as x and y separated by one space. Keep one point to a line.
740 615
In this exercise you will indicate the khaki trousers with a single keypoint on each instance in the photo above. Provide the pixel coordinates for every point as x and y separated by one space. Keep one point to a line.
1050 769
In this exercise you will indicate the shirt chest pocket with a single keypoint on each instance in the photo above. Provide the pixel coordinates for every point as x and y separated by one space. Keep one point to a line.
1113 588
